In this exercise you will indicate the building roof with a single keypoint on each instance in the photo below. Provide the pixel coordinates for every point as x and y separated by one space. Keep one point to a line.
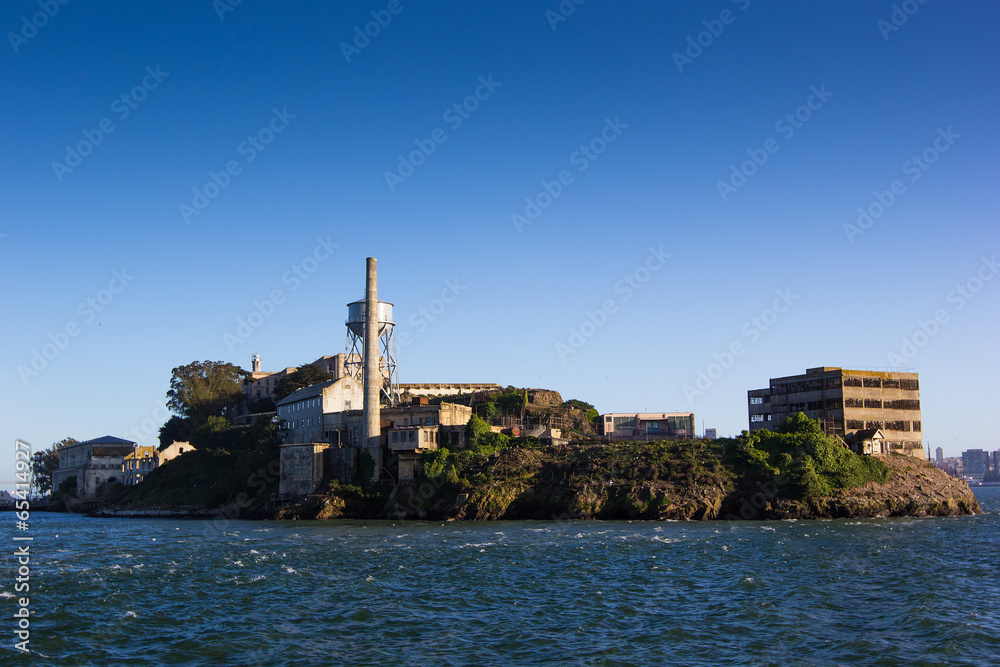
106 440
868 434
311 391
648 416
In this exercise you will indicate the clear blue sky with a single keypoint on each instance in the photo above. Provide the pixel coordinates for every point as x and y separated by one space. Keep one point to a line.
660 133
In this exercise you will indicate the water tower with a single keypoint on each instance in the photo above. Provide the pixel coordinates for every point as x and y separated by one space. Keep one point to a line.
354 363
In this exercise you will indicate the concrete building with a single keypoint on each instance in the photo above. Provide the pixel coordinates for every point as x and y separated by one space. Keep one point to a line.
845 401
647 425
261 384
446 388
138 464
939 455
406 432
710 434
303 412
173 450
92 463
975 464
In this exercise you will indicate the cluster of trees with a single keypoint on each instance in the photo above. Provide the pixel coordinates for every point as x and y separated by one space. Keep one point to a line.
804 460
44 465
511 401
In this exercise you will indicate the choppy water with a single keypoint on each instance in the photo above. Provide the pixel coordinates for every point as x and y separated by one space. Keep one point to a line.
164 592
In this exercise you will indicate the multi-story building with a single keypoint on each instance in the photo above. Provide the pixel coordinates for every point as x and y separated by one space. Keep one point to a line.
647 425
92 463
312 453
261 384
939 455
138 464
304 412
975 464
845 402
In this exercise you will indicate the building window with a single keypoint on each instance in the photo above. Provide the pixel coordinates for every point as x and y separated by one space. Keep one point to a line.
916 426
756 400
347 405
756 418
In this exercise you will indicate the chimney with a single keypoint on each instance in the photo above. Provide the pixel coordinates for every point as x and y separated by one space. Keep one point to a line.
372 373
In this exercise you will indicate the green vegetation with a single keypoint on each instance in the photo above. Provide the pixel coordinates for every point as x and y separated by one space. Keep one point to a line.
802 460
203 389
231 466
42 467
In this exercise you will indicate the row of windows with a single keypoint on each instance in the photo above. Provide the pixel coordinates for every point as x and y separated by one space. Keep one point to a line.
305 422
303 405
413 436
858 424
887 383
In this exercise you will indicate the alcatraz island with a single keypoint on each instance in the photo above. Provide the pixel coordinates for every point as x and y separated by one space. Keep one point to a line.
341 438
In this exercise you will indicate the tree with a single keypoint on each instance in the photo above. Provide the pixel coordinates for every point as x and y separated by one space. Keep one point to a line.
799 423
46 462
204 389
176 429
578 404
306 375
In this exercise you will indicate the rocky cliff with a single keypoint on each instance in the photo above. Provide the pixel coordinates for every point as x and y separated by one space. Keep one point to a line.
645 481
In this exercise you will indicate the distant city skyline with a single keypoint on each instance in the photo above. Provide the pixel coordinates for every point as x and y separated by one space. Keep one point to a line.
652 208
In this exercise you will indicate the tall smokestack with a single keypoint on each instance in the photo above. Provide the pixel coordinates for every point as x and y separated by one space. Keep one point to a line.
373 376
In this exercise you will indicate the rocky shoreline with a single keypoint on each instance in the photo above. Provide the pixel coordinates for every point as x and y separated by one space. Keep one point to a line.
915 488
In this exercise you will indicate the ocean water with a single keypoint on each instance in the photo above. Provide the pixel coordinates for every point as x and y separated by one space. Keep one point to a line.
171 592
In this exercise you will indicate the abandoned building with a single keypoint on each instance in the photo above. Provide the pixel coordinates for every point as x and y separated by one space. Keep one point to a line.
884 405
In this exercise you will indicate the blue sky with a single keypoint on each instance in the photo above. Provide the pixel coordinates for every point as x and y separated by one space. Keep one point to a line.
201 85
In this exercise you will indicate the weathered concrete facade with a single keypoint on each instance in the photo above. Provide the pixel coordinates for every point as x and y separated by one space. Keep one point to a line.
446 388
304 412
92 463
846 401
647 425
303 467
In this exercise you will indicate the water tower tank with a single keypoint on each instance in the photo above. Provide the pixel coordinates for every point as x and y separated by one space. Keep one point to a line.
356 317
